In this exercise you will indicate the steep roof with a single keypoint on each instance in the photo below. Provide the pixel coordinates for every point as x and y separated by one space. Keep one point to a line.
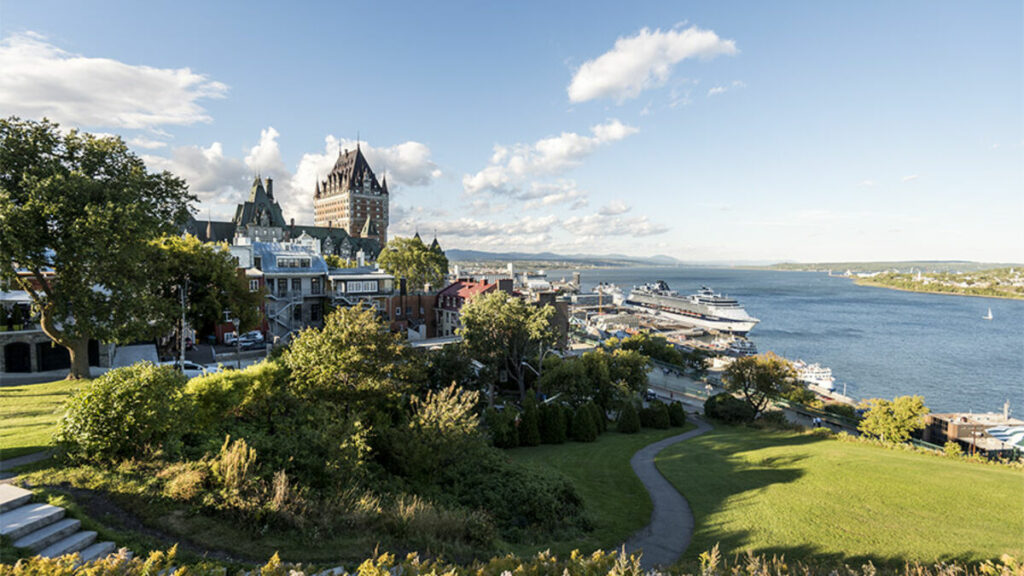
466 289
352 169
260 202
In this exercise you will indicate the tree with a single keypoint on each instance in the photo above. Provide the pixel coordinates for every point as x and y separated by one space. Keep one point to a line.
759 379
77 213
409 258
500 330
352 359
893 421
211 280
629 420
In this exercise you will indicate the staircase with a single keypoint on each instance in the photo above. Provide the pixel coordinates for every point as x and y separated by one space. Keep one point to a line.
44 530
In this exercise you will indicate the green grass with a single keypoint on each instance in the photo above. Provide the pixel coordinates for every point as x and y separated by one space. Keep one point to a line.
821 499
614 497
29 414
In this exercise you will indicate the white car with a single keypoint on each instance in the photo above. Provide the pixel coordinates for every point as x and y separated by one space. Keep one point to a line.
189 369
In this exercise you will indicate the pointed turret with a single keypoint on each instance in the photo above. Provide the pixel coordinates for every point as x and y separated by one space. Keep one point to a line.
416 236
384 184
435 246
366 228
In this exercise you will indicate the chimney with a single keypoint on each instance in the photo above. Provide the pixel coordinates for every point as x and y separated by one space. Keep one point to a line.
293 222
270 188
361 257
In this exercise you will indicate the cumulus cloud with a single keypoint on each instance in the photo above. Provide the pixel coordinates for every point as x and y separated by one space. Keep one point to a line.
614 208
146 143
40 79
604 226
637 63
217 180
510 166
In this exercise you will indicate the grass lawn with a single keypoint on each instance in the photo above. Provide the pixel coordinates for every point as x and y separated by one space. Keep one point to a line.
808 497
614 497
29 414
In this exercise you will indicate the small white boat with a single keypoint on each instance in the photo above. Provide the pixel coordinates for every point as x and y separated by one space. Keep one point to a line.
989 317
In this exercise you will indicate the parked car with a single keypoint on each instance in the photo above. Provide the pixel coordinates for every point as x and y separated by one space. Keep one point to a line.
189 369
230 338
650 395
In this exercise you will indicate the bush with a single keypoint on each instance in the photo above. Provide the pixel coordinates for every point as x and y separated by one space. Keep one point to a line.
584 429
502 424
952 449
676 414
844 410
728 409
598 415
655 416
629 421
125 413
776 420
552 424
529 424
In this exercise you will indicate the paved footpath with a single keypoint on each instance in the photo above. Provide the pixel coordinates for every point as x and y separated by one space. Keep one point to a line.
665 539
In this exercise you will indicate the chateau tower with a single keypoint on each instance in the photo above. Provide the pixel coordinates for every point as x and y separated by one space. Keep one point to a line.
352 199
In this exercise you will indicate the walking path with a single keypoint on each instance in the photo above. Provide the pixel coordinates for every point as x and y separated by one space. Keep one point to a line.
665 539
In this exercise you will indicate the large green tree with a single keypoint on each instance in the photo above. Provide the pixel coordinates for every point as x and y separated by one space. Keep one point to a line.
413 260
501 330
77 213
759 379
212 283
893 421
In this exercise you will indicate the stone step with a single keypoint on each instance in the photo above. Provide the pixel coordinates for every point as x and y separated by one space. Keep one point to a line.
69 545
36 541
12 497
28 518
97 551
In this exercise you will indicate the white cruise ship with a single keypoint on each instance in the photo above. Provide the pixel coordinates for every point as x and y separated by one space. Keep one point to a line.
705 309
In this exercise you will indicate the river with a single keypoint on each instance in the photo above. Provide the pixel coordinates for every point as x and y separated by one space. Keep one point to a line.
878 342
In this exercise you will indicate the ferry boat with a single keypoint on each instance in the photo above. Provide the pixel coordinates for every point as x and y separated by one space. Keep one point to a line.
705 309
814 374
610 294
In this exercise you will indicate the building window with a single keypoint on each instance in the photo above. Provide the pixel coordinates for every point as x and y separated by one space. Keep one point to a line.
314 312
314 286
254 285
297 285
282 287
270 285
259 263
297 312
398 310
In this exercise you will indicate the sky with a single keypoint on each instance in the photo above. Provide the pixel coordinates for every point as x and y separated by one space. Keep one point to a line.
705 131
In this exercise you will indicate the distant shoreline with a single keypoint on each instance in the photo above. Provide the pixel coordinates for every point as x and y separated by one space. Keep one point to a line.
868 282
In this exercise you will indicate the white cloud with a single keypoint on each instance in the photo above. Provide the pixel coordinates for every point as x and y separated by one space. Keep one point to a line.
484 234
604 226
511 166
643 61
614 208
40 79
910 178
549 194
217 180
722 89
868 183
146 143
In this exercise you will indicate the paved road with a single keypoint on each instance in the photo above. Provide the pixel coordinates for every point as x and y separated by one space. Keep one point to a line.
665 539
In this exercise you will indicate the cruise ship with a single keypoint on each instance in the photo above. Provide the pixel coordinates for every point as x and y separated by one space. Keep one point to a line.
705 309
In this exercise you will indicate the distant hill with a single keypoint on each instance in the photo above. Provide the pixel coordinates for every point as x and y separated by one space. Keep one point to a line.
456 255
904 266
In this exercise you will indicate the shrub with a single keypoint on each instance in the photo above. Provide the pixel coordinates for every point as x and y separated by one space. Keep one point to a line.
776 420
502 424
841 409
598 415
584 429
127 412
655 416
185 480
629 421
728 409
552 424
676 414
529 424
952 449
221 396
234 470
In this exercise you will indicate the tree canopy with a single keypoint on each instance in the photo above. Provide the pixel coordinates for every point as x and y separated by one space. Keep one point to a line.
411 259
501 330
759 379
893 421
77 214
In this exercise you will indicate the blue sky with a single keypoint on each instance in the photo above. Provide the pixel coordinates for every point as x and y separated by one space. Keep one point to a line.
722 131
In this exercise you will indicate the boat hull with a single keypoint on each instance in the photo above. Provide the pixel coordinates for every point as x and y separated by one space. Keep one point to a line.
705 321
